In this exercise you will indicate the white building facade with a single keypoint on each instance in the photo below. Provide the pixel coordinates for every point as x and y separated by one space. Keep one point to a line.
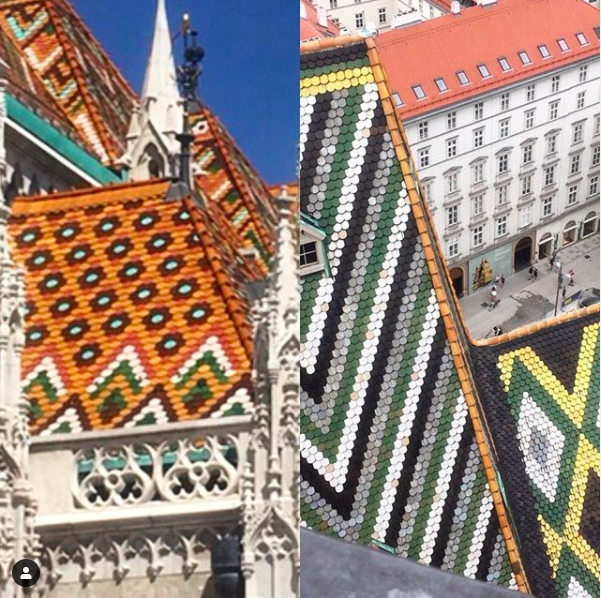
512 175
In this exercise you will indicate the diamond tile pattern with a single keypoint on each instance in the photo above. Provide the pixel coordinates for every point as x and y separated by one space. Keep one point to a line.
388 446
133 310
547 438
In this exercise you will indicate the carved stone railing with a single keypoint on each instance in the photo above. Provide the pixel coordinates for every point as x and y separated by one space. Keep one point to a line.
188 462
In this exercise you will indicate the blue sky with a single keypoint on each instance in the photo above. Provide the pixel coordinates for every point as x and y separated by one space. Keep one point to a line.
251 65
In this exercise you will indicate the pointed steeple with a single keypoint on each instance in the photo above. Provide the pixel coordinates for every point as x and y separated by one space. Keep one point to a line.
160 82
152 145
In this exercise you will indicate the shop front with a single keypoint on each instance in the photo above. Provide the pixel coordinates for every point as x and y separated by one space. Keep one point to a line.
590 224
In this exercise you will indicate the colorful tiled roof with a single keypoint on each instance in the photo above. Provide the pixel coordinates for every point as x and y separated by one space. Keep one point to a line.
134 311
230 183
414 434
311 28
540 393
483 35
82 81
391 446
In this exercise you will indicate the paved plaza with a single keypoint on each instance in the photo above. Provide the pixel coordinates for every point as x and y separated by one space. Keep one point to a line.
525 301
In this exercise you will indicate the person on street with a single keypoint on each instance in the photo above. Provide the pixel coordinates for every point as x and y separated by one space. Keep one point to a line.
531 273
502 280
535 273
571 278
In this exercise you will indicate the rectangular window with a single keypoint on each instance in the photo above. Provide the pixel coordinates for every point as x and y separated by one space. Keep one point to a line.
359 20
555 84
524 57
547 207
478 236
478 172
501 226
529 119
597 125
423 129
524 216
504 128
530 93
544 51
583 73
423 157
550 175
572 195
479 111
582 39
577 133
333 3
440 83
504 102
596 155
382 16
419 92
452 215
593 186
503 163
504 64
453 248
563 45
484 71
526 185
308 254
462 78
451 148
575 165
477 205
551 144
527 153
452 183
398 101
553 110
451 120
427 191
580 100
478 138
502 195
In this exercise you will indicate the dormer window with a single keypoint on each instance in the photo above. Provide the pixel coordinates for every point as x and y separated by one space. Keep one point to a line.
312 250
440 83
462 78
484 71
524 57
544 51
504 64
419 92
563 45
398 102
582 39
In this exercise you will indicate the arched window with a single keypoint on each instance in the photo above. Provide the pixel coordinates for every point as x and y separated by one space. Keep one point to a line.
155 164
590 224
15 186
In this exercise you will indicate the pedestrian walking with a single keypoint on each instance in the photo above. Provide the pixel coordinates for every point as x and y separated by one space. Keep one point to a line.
552 262
502 280
499 331
571 278
531 273
535 273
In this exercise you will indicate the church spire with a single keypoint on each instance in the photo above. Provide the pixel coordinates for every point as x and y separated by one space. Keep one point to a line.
152 146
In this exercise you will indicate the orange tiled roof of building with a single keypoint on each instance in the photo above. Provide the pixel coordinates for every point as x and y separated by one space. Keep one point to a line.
483 35
134 310
82 81
311 28
230 182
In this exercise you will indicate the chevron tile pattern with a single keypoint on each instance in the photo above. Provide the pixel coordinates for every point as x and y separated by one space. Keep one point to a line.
129 321
388 447
541 395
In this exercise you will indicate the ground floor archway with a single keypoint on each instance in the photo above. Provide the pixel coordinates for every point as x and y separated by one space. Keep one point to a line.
590 224
522 253
457 280
570 233
545 246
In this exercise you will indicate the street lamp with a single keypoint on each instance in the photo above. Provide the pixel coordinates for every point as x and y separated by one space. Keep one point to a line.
560 281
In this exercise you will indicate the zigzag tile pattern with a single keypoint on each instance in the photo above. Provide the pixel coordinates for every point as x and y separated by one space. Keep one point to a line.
541 395
82 81
133 316
388 451
230 182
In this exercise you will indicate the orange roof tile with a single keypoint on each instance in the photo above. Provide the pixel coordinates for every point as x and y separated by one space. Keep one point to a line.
441 47
230 182
134 310
310 27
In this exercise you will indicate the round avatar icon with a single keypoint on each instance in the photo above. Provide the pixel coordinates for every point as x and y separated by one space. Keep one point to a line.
26 573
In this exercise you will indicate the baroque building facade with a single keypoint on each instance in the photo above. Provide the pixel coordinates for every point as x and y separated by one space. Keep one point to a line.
148 334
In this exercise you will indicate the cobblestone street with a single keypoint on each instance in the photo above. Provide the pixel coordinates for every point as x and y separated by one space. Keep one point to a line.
524 301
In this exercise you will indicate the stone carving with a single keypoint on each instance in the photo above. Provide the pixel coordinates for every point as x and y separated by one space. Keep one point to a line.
195 468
